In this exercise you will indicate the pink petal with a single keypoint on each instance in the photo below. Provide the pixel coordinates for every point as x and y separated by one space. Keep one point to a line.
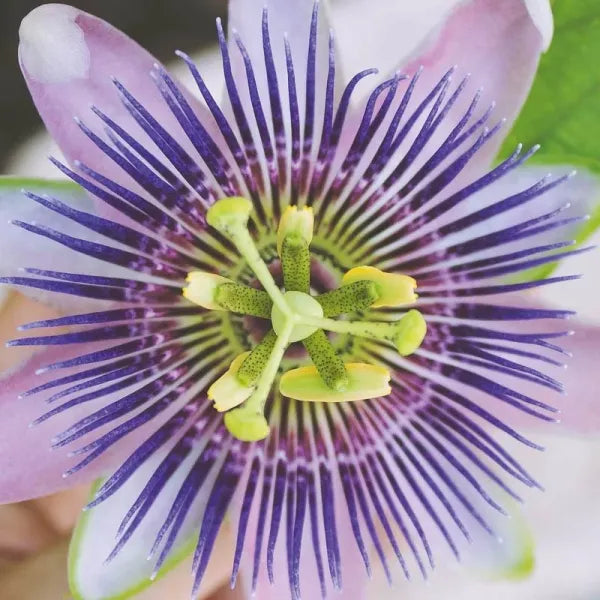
394 29
580 407
500 44
579 404
68 58
28 466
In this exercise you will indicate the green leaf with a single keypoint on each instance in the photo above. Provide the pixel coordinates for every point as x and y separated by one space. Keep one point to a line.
10 182
562 112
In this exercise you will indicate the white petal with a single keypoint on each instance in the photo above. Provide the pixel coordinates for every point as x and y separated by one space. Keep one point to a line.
389 30
541 15
560 521
91 578
20 249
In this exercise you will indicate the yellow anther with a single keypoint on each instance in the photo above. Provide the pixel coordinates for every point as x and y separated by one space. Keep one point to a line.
364 381
394 289
295 221
227 392
202 287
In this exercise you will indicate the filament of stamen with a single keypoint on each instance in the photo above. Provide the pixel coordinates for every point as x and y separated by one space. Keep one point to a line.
295 260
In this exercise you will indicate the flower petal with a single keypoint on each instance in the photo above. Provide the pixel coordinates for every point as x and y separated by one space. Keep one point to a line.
394 29
579 407
575 198
389 30
28 466
91 576
582 295
509 557
19 249
69 58
499 43
291 18
354 579
575 369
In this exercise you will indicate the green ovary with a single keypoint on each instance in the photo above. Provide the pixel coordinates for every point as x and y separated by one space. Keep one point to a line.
297 316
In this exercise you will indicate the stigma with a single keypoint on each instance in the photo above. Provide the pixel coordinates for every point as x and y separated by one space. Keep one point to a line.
295 314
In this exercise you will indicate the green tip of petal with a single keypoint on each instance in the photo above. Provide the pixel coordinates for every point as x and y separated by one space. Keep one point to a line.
364 381
524 568
410 332
246 425
229 212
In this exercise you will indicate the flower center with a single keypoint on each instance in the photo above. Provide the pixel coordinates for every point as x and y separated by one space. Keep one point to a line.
297 316
301 305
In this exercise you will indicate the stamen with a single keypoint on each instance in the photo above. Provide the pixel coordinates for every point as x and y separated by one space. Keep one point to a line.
353 297
294 235
406 334
214 292
248 423
245 300
329 365
228 391
230 217
294 221
295 261
393 289
256 360
364 381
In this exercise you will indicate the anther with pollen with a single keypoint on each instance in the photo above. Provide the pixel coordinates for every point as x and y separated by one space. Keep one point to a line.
297 316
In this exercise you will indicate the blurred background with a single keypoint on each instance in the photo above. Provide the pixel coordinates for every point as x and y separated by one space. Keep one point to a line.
564 524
